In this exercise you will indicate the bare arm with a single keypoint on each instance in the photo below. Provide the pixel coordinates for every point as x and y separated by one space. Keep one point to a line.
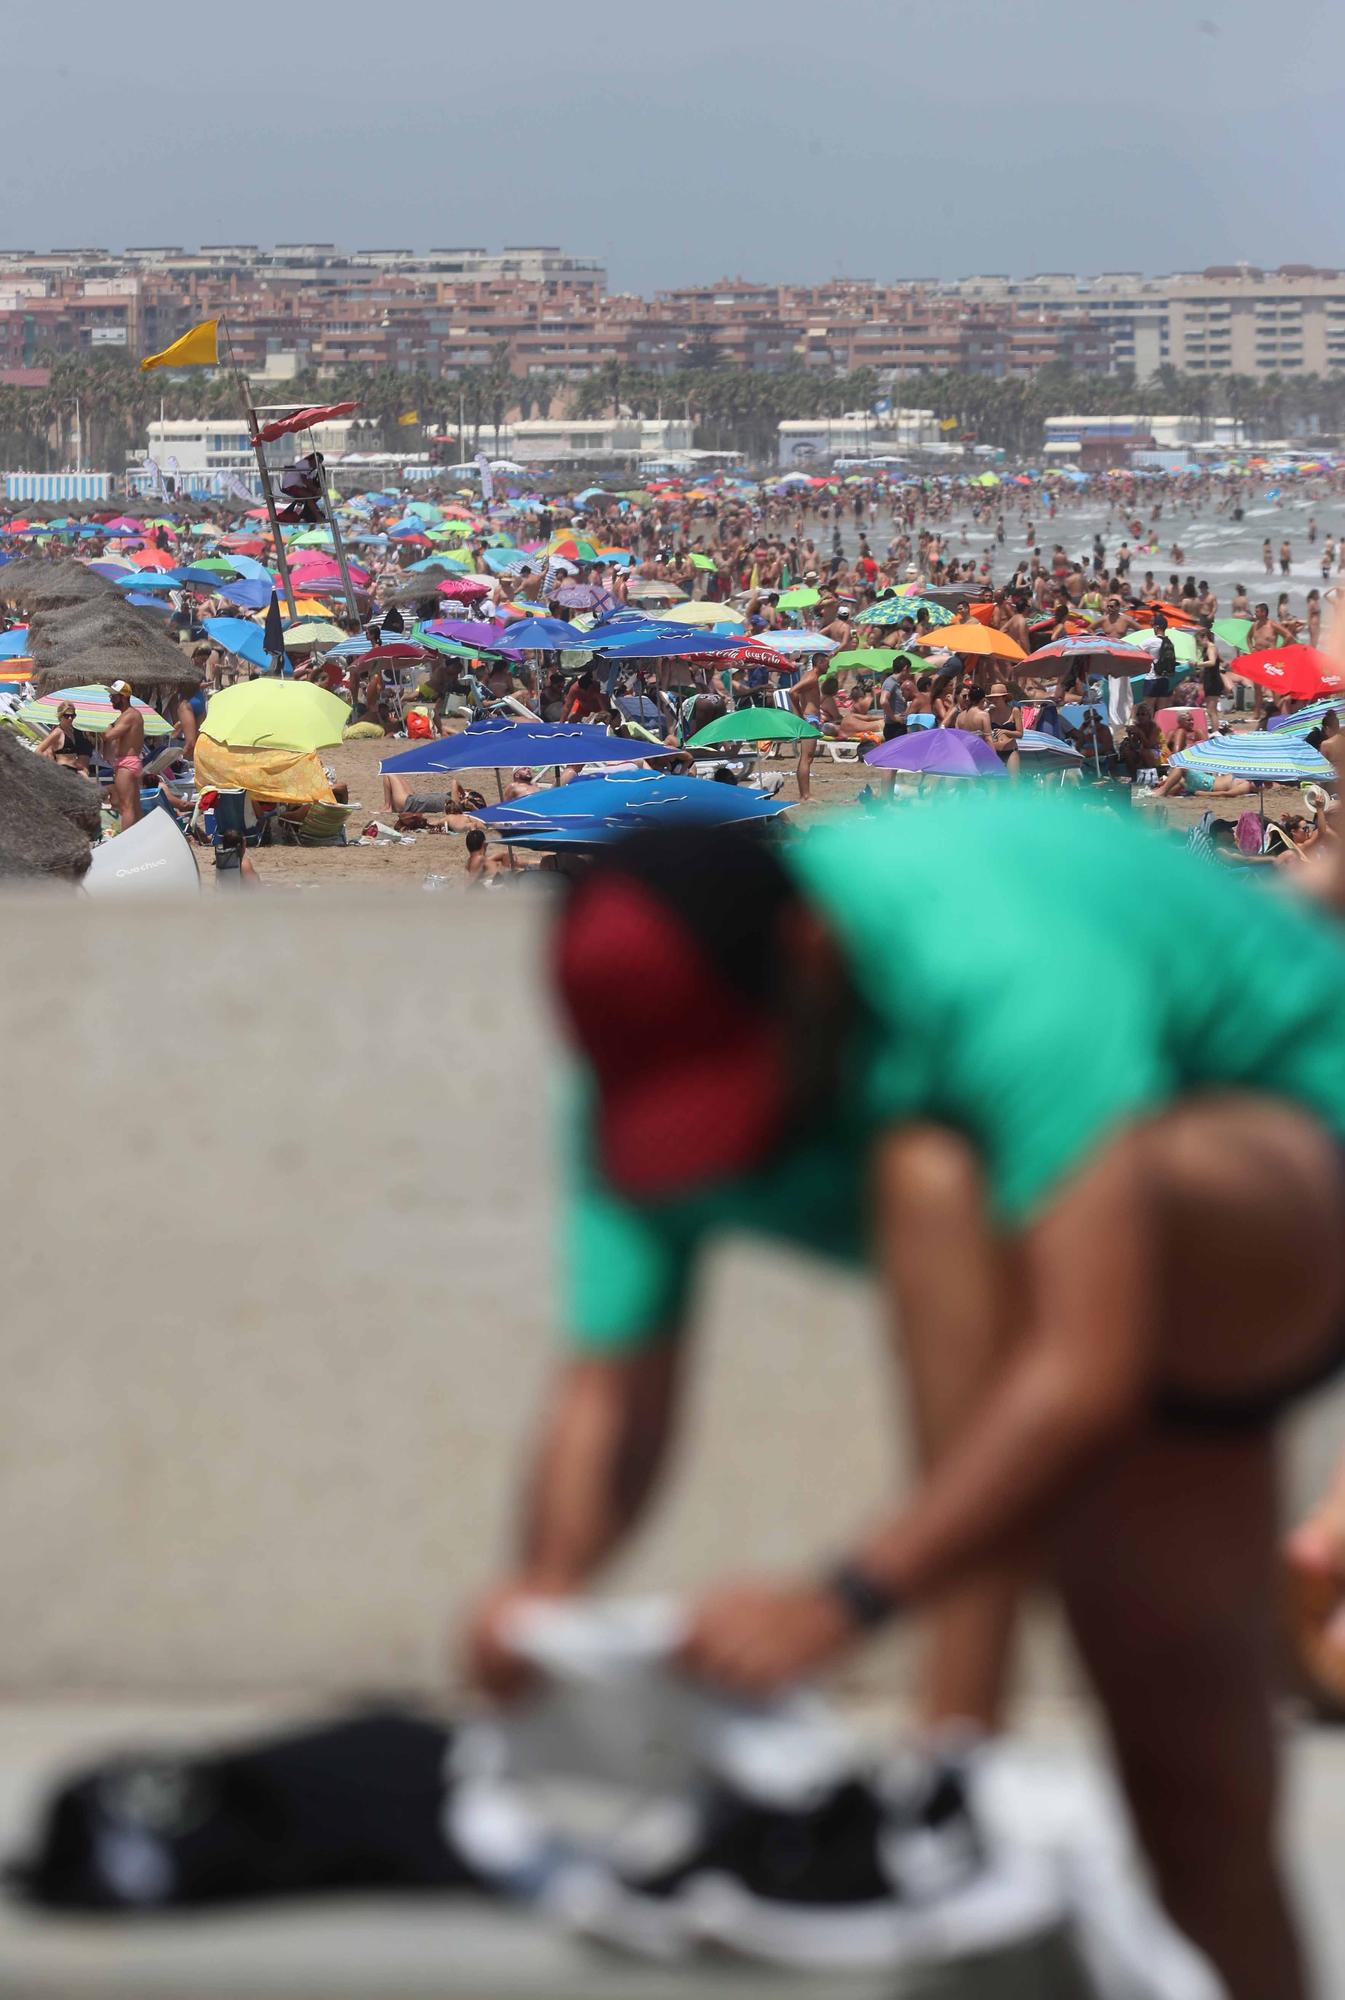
603 1443
1066 1389
1075 1380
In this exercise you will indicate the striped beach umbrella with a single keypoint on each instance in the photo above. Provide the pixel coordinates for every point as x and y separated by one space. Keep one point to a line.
93 710
1265 757
1309 717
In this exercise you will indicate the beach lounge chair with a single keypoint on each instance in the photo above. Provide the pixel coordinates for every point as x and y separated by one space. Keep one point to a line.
318 825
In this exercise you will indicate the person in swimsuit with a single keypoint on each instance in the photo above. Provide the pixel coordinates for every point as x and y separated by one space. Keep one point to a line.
67 745
124 748
806 700
1006 727
1103 1295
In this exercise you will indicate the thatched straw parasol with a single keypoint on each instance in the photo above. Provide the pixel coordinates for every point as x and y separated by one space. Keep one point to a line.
44 585
148 673
48 816
74 628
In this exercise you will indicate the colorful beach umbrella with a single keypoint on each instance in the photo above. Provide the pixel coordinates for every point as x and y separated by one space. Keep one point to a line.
1263 756
1299 671
93 710
973 638
593 811
275 715
1311 716
753 725
312 632
938 753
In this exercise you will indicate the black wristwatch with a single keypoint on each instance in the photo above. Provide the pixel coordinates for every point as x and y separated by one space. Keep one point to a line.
868 1605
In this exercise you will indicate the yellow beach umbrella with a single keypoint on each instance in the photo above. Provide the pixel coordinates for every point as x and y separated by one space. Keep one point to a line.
695 612
312 632
275 715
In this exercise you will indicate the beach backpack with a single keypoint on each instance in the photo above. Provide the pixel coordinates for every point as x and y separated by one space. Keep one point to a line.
358 1803
1250 833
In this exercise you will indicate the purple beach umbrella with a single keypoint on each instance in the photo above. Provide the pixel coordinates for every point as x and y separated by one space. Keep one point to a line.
485 633
939 753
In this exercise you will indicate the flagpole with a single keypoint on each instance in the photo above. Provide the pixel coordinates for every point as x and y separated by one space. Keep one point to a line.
259 451
337 544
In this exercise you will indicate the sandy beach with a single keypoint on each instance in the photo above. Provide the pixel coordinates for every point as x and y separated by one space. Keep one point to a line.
835 785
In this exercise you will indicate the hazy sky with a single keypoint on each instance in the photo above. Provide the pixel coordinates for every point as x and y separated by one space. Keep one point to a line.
682 141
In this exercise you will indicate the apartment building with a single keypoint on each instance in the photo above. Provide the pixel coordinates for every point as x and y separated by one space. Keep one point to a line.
300 306
1227 319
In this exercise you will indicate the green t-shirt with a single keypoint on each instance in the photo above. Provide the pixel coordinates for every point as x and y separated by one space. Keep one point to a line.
1035 972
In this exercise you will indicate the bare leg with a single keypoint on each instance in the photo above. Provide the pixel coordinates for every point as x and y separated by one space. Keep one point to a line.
807 751
1166 1559
1167 1574
953 1284
126 796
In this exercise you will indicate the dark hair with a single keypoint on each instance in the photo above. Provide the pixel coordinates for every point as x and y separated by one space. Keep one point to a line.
728 887
476 840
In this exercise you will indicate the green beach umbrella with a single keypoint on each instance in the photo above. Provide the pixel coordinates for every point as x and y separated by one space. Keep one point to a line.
701 562
1183 645
752 725
868 659
892 610
434 643
313 632
1234 632
799 598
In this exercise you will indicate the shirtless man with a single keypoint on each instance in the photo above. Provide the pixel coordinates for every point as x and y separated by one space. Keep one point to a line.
124 748
1015 625
1113 623
806 700
971 715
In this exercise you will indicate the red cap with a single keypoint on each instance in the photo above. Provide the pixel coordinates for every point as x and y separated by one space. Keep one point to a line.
692 1081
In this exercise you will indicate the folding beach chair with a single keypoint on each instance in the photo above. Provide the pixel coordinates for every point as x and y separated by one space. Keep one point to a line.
234 812
320 825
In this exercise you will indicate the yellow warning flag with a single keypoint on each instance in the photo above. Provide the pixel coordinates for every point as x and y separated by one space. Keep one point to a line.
948 424
198 348
409 417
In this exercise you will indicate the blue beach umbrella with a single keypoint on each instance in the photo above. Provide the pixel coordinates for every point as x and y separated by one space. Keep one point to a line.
249 567
240 636
142 580
547 635
497 745
593 811
250 593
